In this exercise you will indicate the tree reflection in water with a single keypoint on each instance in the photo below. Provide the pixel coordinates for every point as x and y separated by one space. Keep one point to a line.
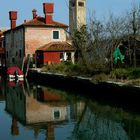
106 123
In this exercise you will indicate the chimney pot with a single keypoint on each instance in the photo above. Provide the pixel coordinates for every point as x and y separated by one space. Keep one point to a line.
48 9
13 18
13 15
34 13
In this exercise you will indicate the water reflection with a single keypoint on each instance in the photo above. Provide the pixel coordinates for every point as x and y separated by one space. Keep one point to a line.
1 89
59 115
40 108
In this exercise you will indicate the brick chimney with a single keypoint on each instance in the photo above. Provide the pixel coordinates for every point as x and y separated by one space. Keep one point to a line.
13 18
48 11
34 13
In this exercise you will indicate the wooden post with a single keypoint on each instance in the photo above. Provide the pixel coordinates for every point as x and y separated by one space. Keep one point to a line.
28 65
23 61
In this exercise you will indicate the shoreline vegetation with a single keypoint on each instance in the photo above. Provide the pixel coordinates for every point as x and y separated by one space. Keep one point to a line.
127 76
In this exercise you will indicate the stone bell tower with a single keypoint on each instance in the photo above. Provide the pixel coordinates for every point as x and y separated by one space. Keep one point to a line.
77 14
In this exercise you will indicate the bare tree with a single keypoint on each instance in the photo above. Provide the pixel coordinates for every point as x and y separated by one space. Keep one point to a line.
97 41
91 45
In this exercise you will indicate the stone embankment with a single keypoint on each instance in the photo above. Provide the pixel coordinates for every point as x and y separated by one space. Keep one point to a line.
116 93
72 82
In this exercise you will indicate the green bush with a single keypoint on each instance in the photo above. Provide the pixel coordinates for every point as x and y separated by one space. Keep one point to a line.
67 68
126 73
119 73
82 70
135 73
99 77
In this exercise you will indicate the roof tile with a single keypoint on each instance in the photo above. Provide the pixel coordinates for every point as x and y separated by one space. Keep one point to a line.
57 46
41 21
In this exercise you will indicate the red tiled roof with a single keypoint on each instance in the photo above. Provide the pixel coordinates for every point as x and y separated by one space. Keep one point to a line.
41 21
57 46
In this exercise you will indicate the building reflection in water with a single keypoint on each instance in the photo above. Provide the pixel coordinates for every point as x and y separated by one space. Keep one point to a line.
39 108
2 89
42 108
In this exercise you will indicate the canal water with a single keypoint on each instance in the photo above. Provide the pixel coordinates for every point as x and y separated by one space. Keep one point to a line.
30 111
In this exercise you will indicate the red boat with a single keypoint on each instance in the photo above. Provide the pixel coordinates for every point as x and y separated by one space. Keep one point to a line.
14 84
15 73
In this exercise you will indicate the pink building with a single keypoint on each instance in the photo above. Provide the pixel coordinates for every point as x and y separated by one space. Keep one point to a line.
24 40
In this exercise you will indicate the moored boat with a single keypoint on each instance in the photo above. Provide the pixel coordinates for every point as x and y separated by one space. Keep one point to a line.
15 73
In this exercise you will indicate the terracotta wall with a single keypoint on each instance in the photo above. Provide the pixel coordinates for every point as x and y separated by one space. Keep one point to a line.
37 37
51 57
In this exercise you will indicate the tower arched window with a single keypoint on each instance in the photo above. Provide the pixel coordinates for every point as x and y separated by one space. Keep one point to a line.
81 4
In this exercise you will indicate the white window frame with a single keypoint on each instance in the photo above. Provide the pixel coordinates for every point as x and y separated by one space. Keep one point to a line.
54 110
58 35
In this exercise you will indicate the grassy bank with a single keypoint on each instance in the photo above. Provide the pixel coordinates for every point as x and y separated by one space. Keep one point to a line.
128 75
68 69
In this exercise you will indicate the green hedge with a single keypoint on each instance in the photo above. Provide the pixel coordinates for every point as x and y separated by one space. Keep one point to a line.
126 73
67 68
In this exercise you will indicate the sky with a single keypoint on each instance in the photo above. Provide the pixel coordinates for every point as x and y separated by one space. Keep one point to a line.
100 8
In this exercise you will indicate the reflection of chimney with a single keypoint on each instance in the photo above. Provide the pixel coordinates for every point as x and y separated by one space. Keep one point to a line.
48 11
50 132
14 127
13 18
34 13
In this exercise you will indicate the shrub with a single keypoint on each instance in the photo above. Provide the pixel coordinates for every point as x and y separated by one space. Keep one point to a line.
67 68
125 73
99 77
